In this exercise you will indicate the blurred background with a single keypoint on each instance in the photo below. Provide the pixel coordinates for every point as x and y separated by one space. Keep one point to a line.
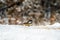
29 11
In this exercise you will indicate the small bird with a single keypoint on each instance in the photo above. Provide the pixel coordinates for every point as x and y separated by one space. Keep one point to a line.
29 23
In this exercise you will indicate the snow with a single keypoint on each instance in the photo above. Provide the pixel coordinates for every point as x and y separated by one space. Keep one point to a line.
56 25
17 32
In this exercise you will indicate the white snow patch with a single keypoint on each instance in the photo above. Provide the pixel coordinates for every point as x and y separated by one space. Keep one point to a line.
17 32
55 25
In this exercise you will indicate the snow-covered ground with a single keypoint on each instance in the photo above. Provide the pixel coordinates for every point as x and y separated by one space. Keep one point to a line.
17 32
